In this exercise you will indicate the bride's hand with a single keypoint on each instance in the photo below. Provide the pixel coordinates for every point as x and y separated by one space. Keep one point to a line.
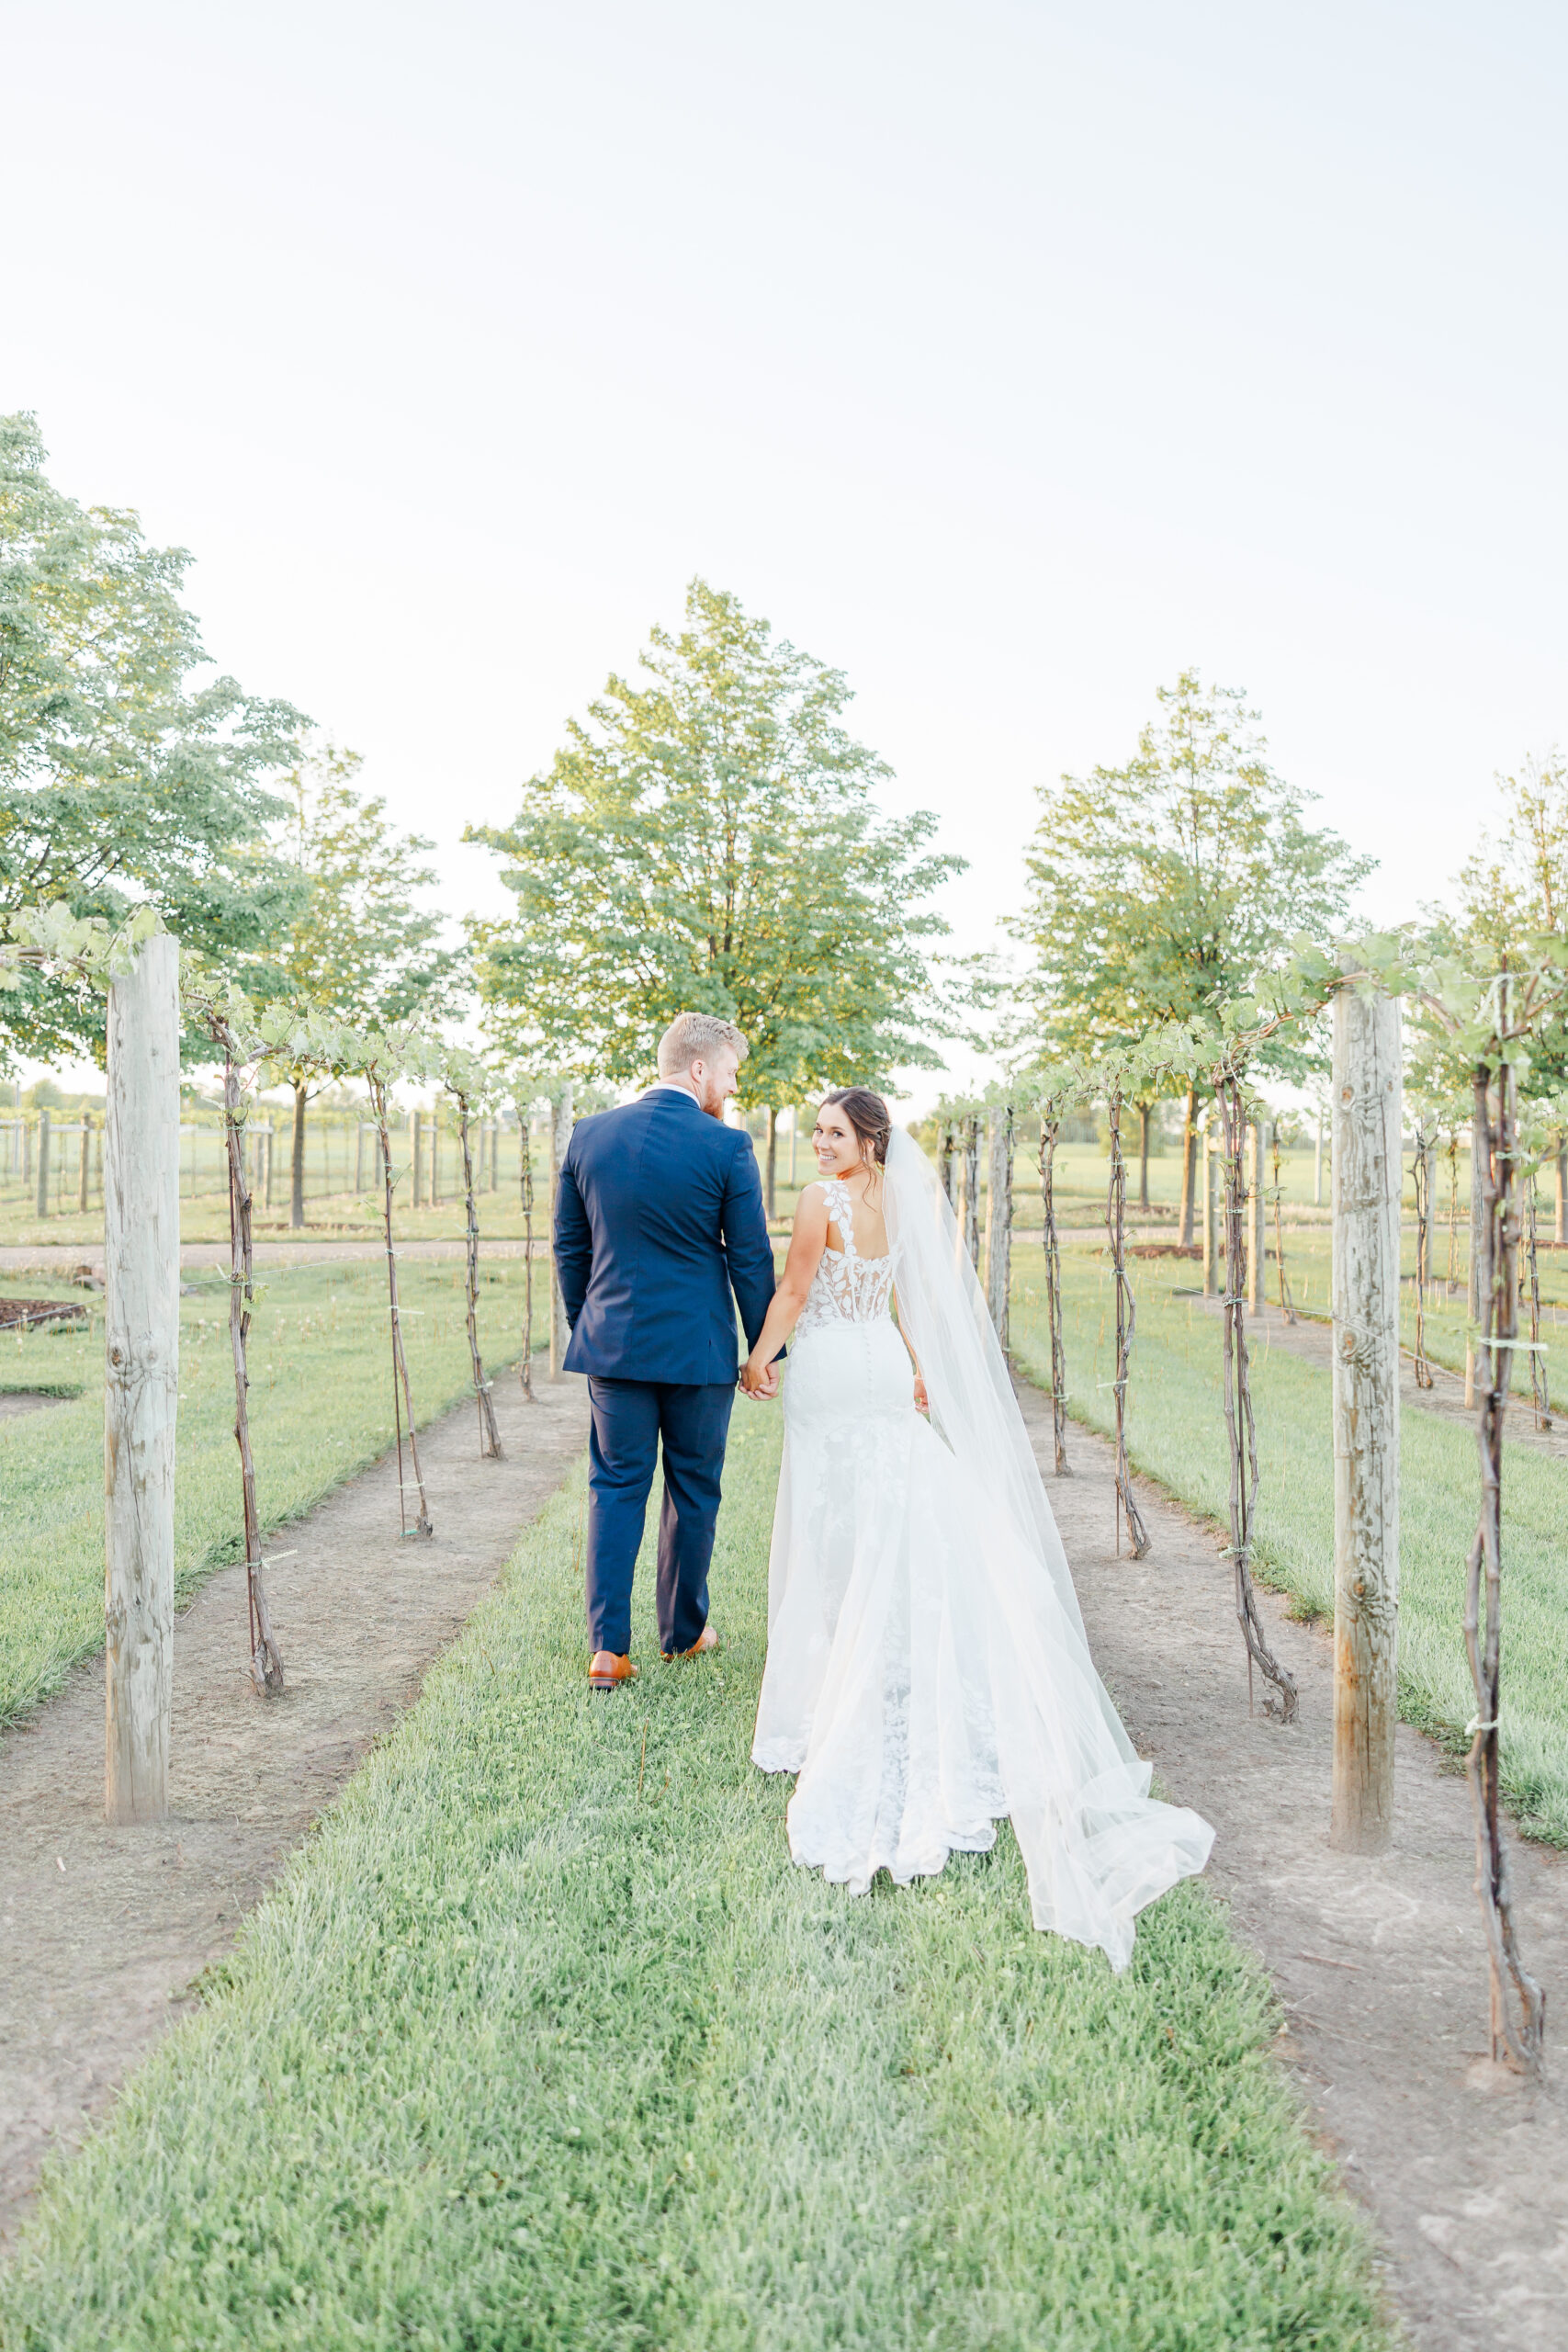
922 1402
759 1379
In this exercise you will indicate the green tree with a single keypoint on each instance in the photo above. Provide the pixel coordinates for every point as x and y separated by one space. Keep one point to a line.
120 782
1158 890
710 840
359 945
1514 890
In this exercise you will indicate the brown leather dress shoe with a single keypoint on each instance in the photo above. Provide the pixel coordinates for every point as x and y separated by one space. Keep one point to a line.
707 1640
606 1670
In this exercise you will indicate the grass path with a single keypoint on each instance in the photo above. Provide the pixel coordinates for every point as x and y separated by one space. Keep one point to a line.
542 2042
1176 1435
321 1408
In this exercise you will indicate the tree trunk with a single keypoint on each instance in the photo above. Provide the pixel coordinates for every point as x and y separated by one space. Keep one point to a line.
1189 1165
43 1143
1144 1116
947 1160
560 1135
1241 1429
402 1395
1256 1291
525 1189
1126 1325
972 1190
266 1662
1210 1173
1517 2029
998 1220
141 1313
793 1138
297 1172
489 1441
1049 1128
773 1158
1367 1175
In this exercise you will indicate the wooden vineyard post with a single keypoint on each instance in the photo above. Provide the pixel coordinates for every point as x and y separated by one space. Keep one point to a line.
1560 1173
1317 1166
1241 1431
85 1162
526 1185
1126 1324
1210 1232
489 1440
998 1220
142 1313
416 1158
266 1662
43 1143
402 1397
1368 1180
1517 2026
560 1135
972 1190
948 1163
1050 1126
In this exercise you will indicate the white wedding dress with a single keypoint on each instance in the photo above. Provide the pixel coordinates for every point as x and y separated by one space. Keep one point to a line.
926 1668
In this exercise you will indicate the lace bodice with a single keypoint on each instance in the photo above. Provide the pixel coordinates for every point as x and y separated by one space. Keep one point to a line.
846 1287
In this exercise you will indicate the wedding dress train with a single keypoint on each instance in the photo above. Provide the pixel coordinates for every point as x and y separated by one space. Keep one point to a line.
928 1670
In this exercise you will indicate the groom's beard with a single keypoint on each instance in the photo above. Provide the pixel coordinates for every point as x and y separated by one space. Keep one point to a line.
712 1101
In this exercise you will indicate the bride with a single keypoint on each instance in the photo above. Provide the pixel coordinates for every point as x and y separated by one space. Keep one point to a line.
927 1667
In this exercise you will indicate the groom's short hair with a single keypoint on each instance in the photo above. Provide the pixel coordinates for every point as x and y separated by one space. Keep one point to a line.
692 1037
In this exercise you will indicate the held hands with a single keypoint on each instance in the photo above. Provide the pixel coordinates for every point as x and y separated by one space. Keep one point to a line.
759 1379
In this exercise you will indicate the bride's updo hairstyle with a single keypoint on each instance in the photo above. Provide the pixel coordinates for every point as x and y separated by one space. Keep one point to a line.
867 1113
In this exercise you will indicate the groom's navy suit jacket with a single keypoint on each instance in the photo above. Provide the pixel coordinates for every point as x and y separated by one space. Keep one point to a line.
659 1215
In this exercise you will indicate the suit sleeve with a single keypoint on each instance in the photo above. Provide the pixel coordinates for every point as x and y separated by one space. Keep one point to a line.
573 1241
746 1242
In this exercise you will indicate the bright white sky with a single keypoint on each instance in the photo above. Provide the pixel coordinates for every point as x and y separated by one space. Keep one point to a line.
1007 356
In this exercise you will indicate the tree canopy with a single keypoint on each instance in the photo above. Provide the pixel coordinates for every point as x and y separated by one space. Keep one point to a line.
1513 892
1160 889
358 939
709 839
121 782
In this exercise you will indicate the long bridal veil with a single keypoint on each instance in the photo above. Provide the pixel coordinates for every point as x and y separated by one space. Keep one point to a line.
1095 1845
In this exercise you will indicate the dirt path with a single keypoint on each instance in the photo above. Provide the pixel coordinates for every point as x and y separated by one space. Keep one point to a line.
101 1929
1379 1965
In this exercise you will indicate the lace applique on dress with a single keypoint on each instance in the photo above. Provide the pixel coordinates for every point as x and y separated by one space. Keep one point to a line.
846 1287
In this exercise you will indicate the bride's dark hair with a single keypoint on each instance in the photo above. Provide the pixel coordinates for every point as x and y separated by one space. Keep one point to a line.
867 1113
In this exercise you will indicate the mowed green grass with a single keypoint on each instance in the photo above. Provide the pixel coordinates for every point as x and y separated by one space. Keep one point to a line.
544 2042
1176 1433
320 1408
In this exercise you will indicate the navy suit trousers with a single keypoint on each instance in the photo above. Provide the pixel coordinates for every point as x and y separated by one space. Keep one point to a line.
630 1419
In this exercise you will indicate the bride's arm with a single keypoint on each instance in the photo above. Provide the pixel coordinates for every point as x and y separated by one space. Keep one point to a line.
806 1243
922 1402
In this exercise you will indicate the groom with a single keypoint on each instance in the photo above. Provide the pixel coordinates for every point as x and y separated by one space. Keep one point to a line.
659 1215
